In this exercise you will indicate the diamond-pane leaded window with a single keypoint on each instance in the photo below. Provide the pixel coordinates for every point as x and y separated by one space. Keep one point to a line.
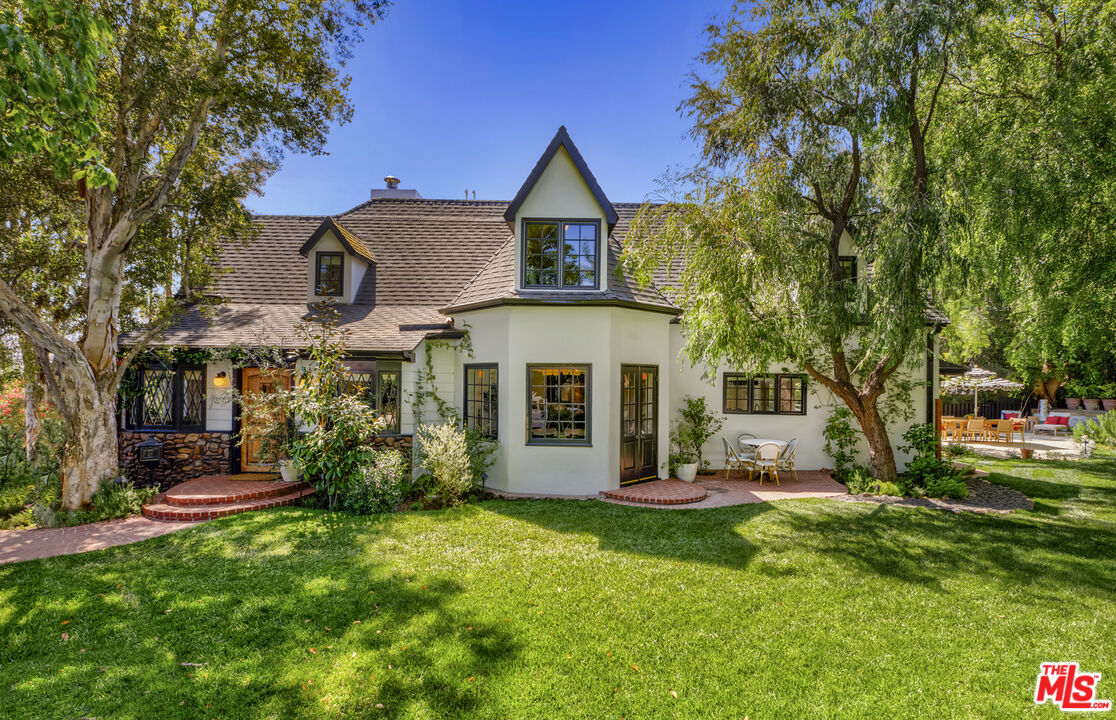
379 390
559 404
170 398
158 398
193 397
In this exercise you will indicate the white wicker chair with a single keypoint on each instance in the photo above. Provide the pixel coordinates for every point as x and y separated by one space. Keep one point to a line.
767 461
786 458
733 461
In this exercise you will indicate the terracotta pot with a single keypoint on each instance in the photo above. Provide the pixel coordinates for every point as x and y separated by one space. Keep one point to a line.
1026 453
1092 404
1073 403
1108 403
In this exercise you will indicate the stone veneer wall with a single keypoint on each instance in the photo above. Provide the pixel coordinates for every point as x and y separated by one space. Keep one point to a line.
185 456
399 442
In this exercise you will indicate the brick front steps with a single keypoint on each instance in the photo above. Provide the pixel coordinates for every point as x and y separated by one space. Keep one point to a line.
660 492
214 496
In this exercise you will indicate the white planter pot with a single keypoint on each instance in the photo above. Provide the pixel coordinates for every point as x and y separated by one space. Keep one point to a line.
288 470
687 472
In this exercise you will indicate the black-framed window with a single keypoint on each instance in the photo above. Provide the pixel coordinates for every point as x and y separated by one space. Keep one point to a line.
558 405
771 393
847 265
329 275
561 253
379 388
482 392
170 398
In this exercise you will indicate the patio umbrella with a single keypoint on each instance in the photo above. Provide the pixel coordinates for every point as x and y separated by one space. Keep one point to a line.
977 379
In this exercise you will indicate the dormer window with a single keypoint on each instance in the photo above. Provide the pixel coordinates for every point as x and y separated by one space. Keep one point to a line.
847 264
561 254
329 277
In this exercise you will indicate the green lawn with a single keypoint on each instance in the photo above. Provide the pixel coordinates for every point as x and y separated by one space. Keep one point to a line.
795 609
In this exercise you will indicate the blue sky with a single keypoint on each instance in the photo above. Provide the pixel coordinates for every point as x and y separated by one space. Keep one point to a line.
456 95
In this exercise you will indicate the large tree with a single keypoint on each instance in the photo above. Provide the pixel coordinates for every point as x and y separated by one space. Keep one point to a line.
1030 160
814 119
223 74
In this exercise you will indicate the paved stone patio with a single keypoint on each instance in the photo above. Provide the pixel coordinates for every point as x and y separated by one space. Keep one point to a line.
20 545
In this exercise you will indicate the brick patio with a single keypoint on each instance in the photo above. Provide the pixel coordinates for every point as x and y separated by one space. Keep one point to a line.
720 491
659 492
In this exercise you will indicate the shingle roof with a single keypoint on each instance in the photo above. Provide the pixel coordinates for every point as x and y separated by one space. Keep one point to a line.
430 257
353 244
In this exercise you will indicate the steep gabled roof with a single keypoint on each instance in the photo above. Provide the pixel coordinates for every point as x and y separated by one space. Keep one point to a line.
562 140
352 244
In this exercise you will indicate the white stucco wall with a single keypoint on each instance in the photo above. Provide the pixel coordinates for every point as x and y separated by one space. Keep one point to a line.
604 338
353 271
561 194
808 428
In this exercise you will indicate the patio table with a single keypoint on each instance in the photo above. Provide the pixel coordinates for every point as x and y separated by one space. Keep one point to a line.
756 442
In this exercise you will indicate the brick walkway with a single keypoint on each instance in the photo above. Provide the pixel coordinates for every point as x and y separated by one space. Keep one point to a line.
738 491
19 545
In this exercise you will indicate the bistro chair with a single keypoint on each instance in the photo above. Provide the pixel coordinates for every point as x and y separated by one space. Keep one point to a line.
786 458
767 461
734 462
746 451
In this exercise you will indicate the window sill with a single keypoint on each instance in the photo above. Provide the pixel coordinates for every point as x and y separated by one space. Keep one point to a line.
557 443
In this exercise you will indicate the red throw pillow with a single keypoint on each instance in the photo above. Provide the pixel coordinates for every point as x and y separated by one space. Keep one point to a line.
1058 420
1010 415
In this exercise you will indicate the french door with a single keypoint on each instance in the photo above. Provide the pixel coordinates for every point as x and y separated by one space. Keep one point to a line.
639 426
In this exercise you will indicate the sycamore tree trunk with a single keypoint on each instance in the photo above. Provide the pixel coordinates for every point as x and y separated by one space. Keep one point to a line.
90 453
32 398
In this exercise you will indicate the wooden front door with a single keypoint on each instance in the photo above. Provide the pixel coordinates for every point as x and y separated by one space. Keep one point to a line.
253 381
639 423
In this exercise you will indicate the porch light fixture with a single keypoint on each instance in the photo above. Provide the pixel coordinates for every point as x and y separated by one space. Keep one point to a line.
221 380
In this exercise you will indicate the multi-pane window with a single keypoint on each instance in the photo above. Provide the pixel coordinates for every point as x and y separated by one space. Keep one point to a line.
847 264
170 398
558 404
329 276
560 254
378 388
482 399
781 393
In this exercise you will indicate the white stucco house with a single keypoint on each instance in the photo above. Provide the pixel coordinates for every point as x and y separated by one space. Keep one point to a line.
511 311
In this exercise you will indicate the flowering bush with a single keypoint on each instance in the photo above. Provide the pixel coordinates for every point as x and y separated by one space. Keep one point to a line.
444 455
382 487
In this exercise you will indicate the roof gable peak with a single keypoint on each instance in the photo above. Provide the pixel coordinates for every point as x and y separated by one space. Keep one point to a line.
352 244
562 140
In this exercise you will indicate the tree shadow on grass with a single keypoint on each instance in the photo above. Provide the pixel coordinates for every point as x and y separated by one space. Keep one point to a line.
711 536
246 599
928 546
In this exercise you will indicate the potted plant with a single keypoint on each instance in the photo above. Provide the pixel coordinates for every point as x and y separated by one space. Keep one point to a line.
1108 396
694 428
1092 397
685 466
1073 395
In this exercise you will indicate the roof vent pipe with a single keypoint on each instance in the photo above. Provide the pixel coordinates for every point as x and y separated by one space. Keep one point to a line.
392 182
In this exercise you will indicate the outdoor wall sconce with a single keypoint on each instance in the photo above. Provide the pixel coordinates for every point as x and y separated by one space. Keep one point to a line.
221 380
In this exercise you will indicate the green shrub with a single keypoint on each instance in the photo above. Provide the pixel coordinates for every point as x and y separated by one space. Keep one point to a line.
858 480
482 453
115 499
890 488
947 486
957 450
1101 431
382 487
443 453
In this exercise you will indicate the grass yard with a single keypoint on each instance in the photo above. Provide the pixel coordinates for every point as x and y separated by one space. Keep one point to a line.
547 609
